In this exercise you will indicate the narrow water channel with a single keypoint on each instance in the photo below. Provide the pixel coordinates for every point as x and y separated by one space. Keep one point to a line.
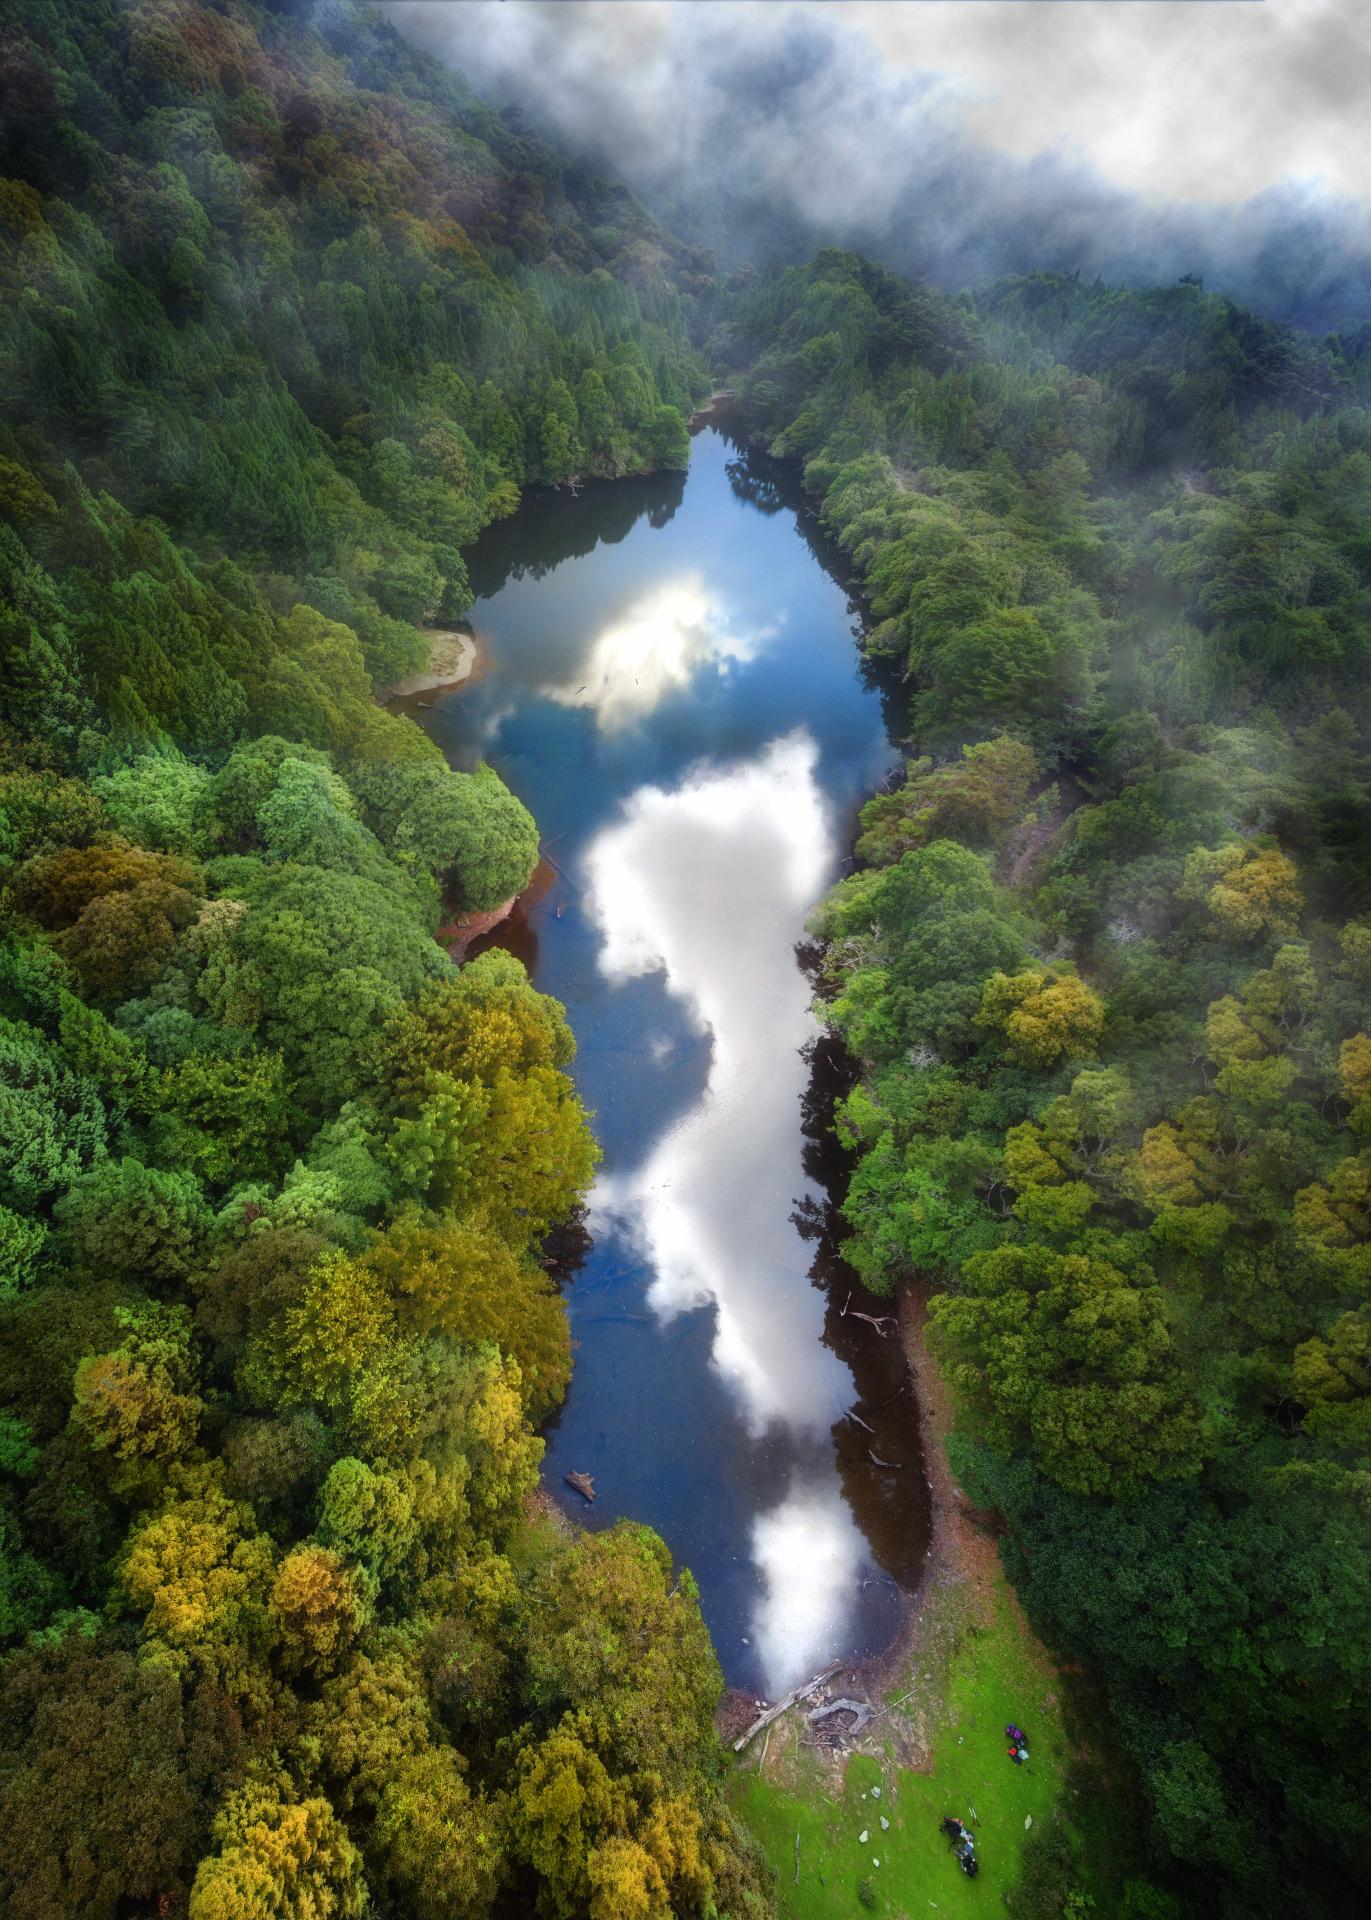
672 685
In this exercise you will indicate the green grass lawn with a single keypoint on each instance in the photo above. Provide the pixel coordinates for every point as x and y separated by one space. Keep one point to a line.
983 1676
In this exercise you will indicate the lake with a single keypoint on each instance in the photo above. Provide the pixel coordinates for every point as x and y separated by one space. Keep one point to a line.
672 683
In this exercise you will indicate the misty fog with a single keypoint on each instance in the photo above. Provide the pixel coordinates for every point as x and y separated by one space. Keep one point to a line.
962 143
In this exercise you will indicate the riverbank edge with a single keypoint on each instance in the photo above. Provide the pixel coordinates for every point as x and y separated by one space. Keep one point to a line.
964 1664
455 656
963 1595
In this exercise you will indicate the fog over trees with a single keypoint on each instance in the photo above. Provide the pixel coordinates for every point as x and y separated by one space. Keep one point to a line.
292 312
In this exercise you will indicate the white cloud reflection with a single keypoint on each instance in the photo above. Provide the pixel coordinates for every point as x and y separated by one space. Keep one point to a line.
710 884
655 648
809 1553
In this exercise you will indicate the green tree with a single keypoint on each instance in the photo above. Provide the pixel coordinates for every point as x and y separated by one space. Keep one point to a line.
278 1856
1074 1353
127 1218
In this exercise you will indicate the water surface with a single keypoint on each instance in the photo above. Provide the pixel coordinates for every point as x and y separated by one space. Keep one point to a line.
673 687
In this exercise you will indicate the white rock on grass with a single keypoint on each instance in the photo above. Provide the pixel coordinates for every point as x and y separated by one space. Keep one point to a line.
875 1793
885 1824
863 1837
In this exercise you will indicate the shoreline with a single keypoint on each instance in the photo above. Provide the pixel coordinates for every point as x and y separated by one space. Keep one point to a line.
454 657
719 402
963 1565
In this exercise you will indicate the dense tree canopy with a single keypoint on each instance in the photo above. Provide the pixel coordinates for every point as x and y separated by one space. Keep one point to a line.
1106 965
289 318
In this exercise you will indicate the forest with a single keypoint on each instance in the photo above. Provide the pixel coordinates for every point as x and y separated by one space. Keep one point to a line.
1105 959
289 315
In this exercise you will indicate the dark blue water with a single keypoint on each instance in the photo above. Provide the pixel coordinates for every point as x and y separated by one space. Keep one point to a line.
673 686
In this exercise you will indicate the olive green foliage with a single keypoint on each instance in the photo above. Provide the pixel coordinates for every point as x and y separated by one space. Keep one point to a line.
275 1328
289 318
1106 963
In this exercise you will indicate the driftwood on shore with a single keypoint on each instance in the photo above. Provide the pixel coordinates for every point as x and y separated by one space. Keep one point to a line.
583 1484
784 1706
859 1709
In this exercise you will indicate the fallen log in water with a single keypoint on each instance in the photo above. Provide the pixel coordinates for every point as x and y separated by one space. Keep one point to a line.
784 1706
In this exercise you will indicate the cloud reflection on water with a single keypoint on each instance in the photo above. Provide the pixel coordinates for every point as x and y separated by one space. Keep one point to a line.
809 1553
654 648
709 883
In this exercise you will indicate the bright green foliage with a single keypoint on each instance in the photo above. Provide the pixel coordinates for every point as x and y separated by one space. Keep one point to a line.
53 1122
222 1118
465 825
315 964
490 841
917 941
161 801
21 1245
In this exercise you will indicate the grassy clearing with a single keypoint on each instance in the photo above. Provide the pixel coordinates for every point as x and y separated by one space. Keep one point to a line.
977 1669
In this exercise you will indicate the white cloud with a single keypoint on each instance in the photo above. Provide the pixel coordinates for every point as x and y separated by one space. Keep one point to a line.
1138 139
1213 103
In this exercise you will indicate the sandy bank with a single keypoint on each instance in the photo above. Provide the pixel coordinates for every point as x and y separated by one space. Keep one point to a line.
452 658
719 402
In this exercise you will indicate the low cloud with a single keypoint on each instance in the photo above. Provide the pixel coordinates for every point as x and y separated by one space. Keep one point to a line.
1136 141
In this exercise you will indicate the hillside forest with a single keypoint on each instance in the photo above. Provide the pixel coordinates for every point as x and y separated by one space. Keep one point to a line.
288 317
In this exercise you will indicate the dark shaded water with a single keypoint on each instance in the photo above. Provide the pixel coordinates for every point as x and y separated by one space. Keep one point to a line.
674 689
